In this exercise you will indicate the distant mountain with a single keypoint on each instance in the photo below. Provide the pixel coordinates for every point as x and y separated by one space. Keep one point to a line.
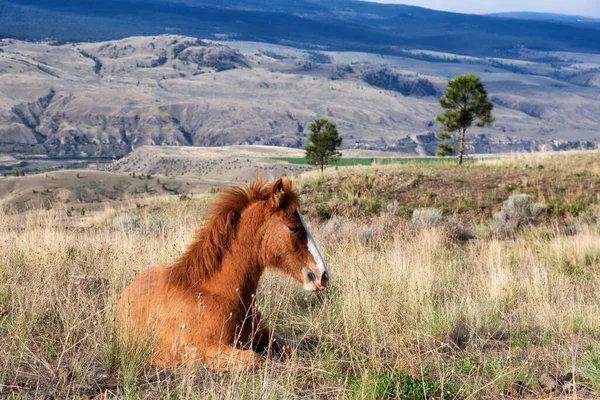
323 24
535 16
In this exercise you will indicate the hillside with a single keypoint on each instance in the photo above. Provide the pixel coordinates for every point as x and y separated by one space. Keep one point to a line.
213 164
147 171
568 184
106 99
90 190
341 25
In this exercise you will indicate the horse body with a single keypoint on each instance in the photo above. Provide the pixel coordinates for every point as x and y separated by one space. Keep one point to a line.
203 306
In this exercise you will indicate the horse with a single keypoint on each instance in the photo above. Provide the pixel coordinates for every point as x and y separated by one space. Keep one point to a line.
202 307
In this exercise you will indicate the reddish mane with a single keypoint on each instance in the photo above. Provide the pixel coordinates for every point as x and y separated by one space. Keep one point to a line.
202 307
203 256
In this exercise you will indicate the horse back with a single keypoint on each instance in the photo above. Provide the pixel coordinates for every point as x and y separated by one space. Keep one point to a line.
139 305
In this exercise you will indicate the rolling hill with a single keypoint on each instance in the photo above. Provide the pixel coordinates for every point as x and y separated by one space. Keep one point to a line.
105 99
85 190
340 25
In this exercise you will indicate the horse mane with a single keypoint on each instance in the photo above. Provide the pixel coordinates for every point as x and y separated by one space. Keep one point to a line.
202 259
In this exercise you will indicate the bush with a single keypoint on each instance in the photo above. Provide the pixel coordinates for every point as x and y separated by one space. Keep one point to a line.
393 207
456 230
426 217
366 234
324 212
516 212
453 228
137 224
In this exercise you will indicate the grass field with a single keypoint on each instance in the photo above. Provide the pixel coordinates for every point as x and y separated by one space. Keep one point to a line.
412 311
348 162
568 184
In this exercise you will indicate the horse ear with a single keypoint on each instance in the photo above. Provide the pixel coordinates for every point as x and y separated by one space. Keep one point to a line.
287 185
278 193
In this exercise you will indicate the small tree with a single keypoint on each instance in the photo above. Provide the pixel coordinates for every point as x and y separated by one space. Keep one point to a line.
465 102
324 141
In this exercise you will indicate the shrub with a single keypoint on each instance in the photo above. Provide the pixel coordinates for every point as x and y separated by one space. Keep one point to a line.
453 228
366 234
457 231
324 212
426 217
393 207
516 212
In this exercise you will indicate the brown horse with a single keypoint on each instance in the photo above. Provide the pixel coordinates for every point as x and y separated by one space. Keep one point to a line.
202 307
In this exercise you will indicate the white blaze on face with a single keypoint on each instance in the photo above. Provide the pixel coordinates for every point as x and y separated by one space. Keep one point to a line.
312 247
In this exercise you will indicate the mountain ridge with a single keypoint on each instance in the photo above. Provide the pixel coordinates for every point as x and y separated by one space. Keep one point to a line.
541 16
340 25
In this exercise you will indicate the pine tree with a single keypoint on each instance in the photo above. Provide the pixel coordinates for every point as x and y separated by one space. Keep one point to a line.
465 102
324 141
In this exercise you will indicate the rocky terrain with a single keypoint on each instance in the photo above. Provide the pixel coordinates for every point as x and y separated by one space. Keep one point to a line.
427 144
106 99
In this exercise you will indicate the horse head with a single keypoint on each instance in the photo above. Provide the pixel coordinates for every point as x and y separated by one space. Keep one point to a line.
287 244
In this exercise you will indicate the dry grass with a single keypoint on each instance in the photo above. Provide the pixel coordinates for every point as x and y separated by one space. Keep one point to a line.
568 183
573 161
89 189
409 310
479 316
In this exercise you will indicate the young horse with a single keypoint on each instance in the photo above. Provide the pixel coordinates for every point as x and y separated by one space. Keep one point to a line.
202 307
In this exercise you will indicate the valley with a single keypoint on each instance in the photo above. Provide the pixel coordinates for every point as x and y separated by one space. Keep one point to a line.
104 100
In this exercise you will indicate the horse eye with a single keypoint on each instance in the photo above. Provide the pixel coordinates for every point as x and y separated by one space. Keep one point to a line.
293 228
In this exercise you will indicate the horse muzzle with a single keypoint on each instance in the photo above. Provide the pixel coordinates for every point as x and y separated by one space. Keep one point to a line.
315 281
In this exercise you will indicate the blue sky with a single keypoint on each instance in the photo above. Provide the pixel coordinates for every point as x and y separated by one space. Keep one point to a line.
589 8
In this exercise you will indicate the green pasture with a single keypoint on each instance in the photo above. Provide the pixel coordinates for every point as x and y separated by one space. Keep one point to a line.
346 162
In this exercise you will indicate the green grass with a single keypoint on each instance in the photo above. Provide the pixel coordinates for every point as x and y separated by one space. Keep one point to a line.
348 162
400 385
591 366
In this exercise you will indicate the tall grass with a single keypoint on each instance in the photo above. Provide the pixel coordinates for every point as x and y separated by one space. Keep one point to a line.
409 313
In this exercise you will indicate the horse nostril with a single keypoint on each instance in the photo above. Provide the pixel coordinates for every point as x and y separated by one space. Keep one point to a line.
324 279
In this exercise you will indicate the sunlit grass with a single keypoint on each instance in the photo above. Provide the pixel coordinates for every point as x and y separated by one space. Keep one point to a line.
347 162
410 311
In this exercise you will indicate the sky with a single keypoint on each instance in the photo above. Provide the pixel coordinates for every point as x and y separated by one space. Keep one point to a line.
589 8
